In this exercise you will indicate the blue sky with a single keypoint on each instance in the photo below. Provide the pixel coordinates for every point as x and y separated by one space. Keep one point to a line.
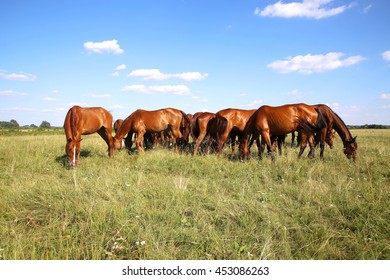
195 55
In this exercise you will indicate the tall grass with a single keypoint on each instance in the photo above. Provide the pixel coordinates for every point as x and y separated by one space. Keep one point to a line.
162 205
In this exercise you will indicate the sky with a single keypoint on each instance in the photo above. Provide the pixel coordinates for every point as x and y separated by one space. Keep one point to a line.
194 55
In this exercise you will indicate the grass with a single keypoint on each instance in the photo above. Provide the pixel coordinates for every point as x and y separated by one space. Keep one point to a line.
162 205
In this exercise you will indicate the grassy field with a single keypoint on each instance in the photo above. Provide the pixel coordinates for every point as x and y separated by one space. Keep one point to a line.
162 205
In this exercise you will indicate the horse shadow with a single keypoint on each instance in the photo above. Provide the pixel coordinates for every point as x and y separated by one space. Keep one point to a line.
64 161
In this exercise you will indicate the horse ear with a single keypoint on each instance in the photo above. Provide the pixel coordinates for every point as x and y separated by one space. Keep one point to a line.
354 139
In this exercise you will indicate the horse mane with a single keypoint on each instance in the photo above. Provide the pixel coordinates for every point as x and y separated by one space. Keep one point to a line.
339 124
73 120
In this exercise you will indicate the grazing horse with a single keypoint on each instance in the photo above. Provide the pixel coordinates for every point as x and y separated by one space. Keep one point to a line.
117 124
142 121
203 125
270 121
333 121
83 121
231 122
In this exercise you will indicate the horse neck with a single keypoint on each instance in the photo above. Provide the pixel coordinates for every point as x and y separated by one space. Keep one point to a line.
123 129
341 129
70 125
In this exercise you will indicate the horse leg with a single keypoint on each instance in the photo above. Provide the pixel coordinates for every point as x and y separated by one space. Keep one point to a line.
267 139
139 141
199 141
105 135
312 146
303 139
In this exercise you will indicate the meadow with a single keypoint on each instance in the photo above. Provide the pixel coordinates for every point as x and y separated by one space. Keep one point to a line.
163 205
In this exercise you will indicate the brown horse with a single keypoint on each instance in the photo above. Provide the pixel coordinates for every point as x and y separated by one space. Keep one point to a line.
117 124
204 126
270 121
142 121
333 121
83 121
231 122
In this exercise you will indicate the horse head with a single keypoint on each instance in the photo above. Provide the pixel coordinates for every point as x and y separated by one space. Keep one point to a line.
117 144
350 148
72 151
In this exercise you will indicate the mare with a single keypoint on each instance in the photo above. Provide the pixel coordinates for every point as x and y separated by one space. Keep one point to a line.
333 121
142 121
270 121
231 122
203 125
83 121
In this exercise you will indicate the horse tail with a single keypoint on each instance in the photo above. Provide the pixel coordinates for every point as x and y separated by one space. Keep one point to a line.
195 127
308 128
222 124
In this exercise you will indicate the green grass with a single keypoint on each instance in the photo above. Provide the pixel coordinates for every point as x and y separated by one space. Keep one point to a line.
162 205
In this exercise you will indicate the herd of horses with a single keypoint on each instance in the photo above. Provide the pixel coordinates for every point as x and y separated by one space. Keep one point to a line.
267 126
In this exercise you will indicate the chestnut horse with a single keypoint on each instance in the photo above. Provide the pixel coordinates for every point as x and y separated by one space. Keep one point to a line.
117 124
83 121
231 122
270 121
142 121
203 125
333 121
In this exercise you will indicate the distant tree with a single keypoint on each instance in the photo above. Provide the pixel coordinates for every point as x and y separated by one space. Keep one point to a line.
33 125
14 123
10 124
45 124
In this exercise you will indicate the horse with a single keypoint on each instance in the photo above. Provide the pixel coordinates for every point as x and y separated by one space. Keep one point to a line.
270 121
117 124
142 121
231 122
203 125
83 121
333 121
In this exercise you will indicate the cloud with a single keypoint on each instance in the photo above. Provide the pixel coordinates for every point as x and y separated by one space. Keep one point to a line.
316 9
11 93
308 64
104 47
121 67
49 99
367 9
386 55
168 89
295 94
385 96
15 109
156 74
99 95
25 77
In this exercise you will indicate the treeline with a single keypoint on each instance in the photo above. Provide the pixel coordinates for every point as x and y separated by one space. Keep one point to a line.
369 126
13 124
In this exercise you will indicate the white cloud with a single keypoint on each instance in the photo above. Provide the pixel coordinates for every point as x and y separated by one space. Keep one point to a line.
49 99
99 95
169 89
385 96
367 9
386 55
316 9
295 94
26 77
11 93
16 109
121 67
156 74
307 64
104 47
